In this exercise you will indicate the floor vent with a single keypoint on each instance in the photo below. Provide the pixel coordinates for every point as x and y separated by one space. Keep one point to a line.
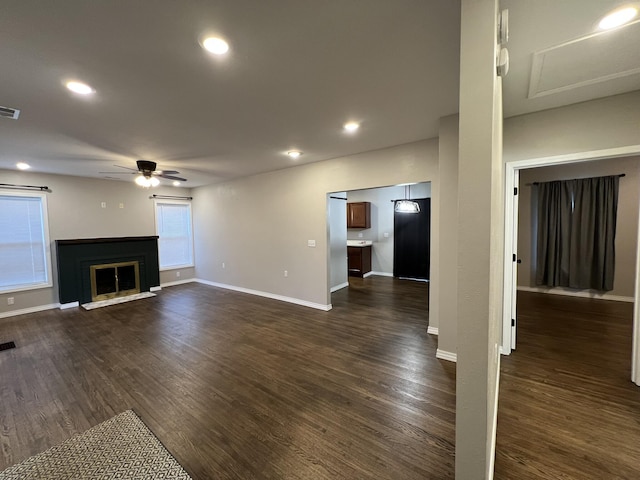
7 346
7 112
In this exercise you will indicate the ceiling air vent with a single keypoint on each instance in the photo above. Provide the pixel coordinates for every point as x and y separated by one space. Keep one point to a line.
7 112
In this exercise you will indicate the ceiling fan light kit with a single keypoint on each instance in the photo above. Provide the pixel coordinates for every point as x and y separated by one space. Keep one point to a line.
147 182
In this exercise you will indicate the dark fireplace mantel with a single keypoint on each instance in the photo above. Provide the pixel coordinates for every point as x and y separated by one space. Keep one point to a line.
75 258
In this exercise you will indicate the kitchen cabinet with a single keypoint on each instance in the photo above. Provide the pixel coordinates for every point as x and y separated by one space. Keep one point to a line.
359 260
359 215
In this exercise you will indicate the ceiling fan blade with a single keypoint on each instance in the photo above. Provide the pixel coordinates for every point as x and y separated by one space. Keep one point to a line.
171 177
127 168
120 173
167 172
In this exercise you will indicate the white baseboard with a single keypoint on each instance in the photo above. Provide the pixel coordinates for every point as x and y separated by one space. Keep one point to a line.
494 425
382 274
64 306
368 274
282 298
449 356
339 287
576 293
432 330
155 289
176 282
24 311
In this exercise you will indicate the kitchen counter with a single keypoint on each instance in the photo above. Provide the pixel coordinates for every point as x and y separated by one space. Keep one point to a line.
359 243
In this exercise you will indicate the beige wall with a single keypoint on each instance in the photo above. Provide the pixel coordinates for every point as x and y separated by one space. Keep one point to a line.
627 224
259 226
446 292
605 123
74 211
480 241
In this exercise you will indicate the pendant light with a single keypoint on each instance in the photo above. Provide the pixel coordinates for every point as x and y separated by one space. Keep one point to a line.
407 205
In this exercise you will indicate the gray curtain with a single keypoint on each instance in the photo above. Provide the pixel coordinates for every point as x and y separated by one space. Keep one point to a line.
576 233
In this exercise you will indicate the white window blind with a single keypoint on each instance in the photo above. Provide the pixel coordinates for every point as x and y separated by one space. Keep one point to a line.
23 242
175 242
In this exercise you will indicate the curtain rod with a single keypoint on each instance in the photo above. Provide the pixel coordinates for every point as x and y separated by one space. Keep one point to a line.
538 183
24 187
174 197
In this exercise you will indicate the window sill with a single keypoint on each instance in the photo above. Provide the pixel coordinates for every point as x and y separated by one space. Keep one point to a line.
176 267
25 288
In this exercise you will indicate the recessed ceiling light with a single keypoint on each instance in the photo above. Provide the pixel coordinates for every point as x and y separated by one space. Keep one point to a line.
80 88
351 127
215 45
23 166
176 183
294 153
618 18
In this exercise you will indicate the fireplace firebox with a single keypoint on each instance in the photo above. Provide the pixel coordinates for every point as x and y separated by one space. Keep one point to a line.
114 280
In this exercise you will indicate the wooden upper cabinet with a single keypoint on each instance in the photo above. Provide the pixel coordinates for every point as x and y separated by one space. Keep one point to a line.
359 215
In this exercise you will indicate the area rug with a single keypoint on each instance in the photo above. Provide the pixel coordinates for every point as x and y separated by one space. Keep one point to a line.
123 447
115 301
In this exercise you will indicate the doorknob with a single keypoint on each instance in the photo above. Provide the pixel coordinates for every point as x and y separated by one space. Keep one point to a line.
519 261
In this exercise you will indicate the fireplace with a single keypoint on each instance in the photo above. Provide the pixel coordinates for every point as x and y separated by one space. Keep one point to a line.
91 269
114 280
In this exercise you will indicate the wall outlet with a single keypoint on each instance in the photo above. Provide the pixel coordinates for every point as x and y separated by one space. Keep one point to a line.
177 274
103 204
311 243
223 265
121 205
286 273
360 235
386 234
10 300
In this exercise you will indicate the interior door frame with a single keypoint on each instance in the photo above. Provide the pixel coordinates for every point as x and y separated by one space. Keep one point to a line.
509 300
510 266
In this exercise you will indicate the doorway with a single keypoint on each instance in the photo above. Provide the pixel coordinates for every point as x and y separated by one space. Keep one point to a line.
511 255
380 235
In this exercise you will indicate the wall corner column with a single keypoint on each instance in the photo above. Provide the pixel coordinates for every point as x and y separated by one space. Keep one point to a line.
480 241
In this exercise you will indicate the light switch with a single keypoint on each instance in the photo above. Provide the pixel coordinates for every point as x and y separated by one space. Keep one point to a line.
103 204
386 234
311 243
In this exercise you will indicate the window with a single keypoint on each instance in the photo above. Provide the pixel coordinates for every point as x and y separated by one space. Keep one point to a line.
173 223
24 242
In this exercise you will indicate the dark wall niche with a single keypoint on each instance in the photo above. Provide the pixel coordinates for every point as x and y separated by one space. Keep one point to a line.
75 258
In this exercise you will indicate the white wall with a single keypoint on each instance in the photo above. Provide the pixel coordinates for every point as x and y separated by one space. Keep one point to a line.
337 223
74 211
627 224
382 221
259 226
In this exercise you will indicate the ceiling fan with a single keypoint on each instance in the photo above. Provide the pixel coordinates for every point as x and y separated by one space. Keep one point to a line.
148 173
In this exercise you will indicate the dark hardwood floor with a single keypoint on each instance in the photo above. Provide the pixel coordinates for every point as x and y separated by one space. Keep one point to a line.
238 386
567 407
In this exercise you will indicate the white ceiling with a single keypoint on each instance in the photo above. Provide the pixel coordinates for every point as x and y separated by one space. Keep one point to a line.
559 57
297 70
